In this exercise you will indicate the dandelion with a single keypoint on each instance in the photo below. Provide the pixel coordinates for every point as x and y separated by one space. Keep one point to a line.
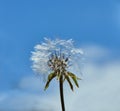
56 58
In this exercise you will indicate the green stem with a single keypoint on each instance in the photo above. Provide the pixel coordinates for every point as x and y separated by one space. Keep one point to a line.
61 93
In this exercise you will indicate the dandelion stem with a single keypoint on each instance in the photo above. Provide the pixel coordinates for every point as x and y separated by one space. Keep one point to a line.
61 93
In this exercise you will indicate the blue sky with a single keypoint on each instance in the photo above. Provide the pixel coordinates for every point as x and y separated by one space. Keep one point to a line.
93 25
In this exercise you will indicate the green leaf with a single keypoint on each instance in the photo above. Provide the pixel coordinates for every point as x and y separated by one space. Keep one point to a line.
68 79
74 77
50 77
75 81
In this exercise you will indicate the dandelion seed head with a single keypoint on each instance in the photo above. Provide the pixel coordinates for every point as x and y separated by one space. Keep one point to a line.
44 62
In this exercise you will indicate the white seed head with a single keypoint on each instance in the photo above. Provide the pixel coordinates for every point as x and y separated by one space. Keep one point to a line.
55 55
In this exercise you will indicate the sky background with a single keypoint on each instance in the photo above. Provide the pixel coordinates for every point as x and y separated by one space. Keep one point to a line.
94 25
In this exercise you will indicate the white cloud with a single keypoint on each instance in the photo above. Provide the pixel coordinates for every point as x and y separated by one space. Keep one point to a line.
31 83
2 97
94 52
99 91
26 101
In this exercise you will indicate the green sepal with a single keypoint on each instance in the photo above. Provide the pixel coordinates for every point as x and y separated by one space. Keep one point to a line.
68 79
58 76
50 77
74 78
